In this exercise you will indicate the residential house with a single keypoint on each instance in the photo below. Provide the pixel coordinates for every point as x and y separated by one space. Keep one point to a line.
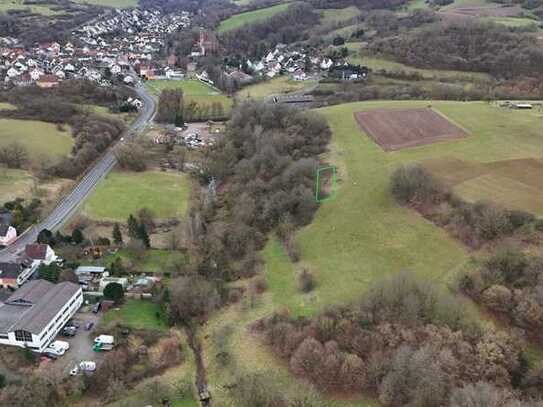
33 315
40 253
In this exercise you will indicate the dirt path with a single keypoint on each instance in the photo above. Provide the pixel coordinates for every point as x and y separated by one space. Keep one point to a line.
201 374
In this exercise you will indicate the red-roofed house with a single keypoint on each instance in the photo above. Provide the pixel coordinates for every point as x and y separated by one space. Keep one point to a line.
41 253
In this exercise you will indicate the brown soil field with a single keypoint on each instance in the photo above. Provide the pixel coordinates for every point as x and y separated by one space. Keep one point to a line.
398 129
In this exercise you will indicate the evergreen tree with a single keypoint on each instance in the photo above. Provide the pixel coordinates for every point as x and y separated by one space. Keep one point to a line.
143 235
77 236
50 273
132 227
117 235
179 121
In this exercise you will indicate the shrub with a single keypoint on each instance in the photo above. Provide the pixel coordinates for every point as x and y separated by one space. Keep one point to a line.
306 282
413 184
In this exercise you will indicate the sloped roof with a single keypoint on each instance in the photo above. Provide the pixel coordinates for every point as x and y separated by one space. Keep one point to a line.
34 305
36 251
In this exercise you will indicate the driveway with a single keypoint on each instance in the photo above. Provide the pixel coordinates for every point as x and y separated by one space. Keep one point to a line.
80 344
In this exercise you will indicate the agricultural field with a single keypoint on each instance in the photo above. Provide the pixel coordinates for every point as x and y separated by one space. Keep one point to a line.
250 17
397 129
42 140
276 86
193 90
136 314
123 193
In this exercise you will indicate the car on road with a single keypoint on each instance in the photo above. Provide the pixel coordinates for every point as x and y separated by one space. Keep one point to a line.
89 325
74 371
73 323
87 366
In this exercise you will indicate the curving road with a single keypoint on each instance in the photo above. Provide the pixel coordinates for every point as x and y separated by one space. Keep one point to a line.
69 204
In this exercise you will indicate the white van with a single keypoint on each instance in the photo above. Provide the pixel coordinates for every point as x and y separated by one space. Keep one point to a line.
87 366
60 345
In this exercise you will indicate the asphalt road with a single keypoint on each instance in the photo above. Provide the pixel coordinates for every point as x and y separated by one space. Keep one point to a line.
69 204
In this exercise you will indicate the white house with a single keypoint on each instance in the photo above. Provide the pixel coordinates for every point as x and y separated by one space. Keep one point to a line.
8 234
40 253
34 314
35 74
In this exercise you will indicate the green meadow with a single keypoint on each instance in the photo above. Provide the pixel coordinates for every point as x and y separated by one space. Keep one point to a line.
250 17
41 139
123 193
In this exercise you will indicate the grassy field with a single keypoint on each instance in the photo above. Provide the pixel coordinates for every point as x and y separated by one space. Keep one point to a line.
111 3
136 314
14 184
42 140
363 235
275 86
331 16
193 90
122 193
250 17
377 64
514 22
152 261
43 9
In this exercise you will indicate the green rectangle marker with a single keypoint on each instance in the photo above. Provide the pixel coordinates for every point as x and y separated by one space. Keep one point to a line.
322 172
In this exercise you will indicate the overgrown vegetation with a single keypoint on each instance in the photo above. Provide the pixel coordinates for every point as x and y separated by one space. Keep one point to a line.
510 283
406 342
473 223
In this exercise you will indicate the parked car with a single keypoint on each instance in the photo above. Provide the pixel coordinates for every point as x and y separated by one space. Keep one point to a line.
87 366
50 355
60 345
69 331
89 325
54 351
73 323
96 307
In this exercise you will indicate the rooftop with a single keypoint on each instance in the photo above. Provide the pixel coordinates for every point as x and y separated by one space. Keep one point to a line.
34 305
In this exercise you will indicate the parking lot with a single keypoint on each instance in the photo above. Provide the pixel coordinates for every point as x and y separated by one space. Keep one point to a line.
80 345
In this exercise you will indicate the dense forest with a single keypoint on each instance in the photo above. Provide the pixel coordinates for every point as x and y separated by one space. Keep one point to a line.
469 46
266 167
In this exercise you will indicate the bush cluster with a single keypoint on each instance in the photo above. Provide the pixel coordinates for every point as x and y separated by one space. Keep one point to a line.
407 342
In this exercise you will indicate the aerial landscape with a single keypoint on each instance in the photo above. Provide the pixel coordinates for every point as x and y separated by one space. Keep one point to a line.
271 203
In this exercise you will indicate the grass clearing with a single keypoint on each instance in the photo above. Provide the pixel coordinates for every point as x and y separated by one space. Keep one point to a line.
275 86
136 314
14 184
250 17
151 261
515 22
332 16
193 90
43 9
41 139
377 64
123 193
111 3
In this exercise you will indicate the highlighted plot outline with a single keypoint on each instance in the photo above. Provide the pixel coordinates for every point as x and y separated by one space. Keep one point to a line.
330 181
